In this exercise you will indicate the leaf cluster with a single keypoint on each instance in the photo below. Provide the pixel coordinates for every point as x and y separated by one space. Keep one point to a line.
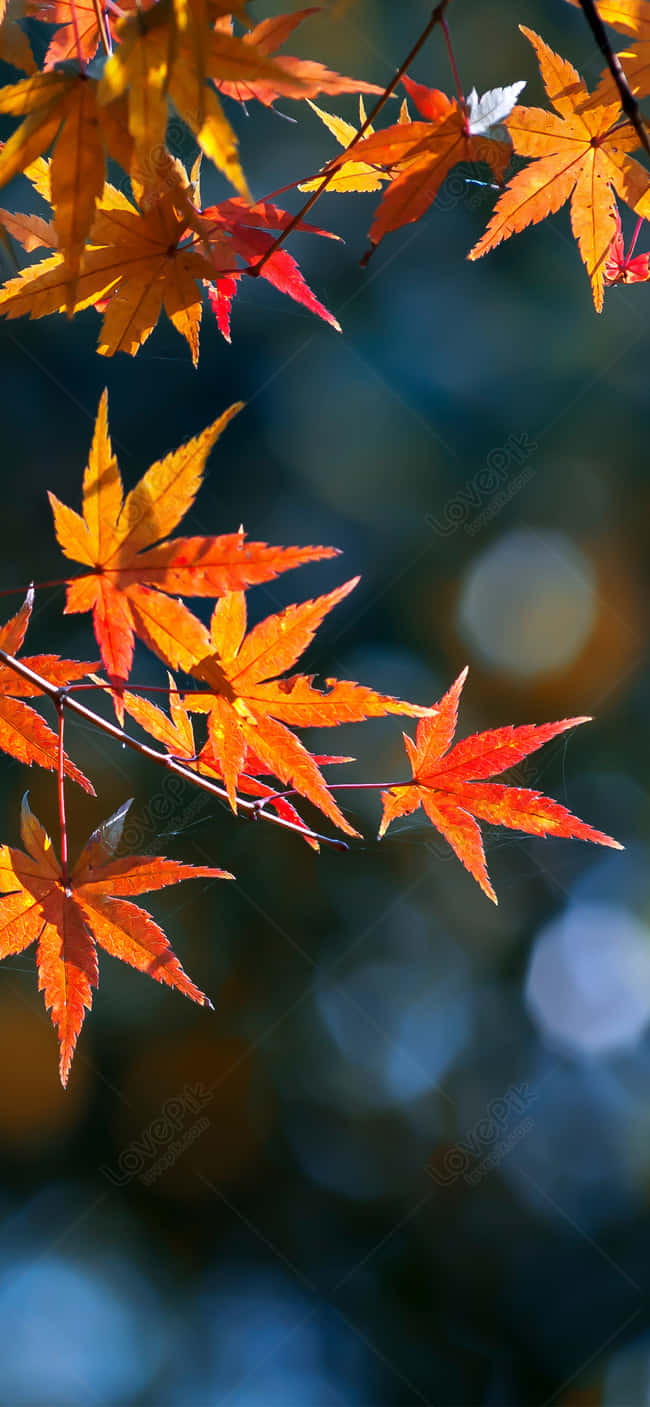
135 579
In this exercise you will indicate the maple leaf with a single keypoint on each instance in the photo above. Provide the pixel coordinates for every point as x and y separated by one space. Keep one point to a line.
70 914
580 154
250 704
78 34
234 228
126 575
492 108
23 733
448 783
15 48
134 266
176 733
266 38
140 261
169 53
354 175
419 156
625 268
60 108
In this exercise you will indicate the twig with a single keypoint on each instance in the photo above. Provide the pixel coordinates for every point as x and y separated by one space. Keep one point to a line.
333 167
61 779
104 31
77 37
334 786
629 103
452 59
62 700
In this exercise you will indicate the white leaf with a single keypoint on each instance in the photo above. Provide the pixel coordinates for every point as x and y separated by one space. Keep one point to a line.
492 108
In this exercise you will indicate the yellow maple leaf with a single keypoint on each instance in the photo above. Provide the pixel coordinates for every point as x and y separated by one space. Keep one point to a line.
166 54
133 267
60 109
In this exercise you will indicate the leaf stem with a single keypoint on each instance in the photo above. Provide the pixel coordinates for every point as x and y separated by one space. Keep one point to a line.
635 236
60 761
77 37
459 87
437 17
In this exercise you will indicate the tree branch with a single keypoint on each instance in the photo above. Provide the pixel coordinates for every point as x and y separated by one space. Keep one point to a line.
333 167
629 103
62 700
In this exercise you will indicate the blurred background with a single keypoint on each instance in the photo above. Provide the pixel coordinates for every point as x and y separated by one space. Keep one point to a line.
407 1159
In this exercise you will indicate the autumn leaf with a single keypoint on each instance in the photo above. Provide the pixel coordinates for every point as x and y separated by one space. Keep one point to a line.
15 48
176 734
141 261
78 35
133 267
266 38
448 783
126 575
60 108
235 228
420 155
160 59
249 704
70 914
625 268
581 155
353 175
23 733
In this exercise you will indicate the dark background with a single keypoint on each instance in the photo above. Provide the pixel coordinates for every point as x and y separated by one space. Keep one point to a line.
410 1147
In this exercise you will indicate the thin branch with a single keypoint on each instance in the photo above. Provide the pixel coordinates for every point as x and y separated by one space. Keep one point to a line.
334 786
62 700
330 170
60 760
77 37
452 59
104 31
629 103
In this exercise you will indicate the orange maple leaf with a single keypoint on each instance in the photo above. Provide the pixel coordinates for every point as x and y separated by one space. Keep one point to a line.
78 33
447 782
70 914
141 260
23 733
176 733
420 155
126 576
249 704
266 38
579 154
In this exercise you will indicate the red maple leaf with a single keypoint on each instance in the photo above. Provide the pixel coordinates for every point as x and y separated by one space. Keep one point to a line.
626 268
448 783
